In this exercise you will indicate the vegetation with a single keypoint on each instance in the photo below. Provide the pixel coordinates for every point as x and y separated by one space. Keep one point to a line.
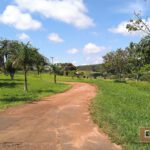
138 24
16 55
90 68
133 62
11 92
121 106
55 69
121 109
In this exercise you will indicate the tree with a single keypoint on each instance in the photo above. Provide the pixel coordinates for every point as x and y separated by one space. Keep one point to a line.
1 61
116 63
72 73
10 69
138 24
108 62
4 52
55 69
40 61
135 59
145 48
24 58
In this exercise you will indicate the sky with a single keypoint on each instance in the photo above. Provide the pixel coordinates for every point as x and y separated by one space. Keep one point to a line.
76 31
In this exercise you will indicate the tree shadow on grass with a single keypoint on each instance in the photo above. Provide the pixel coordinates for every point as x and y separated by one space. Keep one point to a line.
9 80
118 81
16 99
9 84
47 91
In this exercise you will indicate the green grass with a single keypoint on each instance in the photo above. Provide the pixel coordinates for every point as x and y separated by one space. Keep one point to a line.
12 92
120 109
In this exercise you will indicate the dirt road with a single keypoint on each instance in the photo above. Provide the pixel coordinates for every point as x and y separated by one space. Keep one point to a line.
60 122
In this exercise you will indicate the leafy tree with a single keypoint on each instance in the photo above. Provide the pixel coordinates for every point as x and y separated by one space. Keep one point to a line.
138 24
40 61
135 59
55 69
72 73
116 63
24 58
10 69
145 48
4 51
108 62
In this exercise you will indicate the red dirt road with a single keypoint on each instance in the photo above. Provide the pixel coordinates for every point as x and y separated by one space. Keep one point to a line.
60 122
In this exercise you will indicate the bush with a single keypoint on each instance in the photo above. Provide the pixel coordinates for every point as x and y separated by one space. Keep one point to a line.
145 77
95 74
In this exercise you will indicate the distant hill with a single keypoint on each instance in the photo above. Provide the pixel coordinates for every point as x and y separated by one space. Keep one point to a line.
91 68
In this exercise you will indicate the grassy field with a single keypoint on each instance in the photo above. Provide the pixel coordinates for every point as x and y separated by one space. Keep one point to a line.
12 93
120 109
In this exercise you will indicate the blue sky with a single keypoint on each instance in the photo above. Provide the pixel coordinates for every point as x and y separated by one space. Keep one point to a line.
77 31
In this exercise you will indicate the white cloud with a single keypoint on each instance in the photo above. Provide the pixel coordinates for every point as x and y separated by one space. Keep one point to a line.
83 64
14 17
69 11
94 60
73 51
91 48
98 60
74 62
54 37
121 29
24 37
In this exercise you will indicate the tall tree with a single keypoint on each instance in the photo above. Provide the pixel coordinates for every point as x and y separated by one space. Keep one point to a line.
40 61
4 51
135 59
24 58
55 69
116 63
145 48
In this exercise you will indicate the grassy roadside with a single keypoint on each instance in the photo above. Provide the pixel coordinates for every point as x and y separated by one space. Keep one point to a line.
120 109
12 93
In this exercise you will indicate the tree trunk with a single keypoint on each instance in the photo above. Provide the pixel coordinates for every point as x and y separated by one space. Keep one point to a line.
25 81
38 70
137 77
55 80
12 76
4 68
